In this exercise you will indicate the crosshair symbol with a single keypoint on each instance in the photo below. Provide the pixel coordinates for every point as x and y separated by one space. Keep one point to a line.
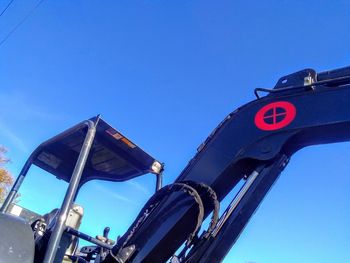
275 116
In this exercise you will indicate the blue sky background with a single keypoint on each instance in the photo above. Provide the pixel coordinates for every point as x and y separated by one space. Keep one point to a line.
166 73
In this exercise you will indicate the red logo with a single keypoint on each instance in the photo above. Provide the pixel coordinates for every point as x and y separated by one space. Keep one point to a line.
274 116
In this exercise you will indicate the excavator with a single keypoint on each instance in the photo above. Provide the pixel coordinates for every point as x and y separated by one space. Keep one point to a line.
249 148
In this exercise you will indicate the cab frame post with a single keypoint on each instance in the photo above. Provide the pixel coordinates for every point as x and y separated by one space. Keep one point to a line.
70 194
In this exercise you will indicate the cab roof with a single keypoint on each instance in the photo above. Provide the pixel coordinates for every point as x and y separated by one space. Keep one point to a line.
113 157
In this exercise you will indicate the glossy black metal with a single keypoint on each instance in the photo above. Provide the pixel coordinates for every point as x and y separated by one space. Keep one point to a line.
216 248
235 149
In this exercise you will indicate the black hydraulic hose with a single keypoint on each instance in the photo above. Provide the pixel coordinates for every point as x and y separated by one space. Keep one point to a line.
153 202
207 191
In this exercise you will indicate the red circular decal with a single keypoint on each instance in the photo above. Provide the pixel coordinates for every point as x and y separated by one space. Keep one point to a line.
274 116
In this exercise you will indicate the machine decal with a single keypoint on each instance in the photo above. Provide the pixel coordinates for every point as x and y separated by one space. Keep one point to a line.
275 115
118 136
114 133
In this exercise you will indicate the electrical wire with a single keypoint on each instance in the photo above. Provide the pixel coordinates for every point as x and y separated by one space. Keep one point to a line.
8 5
21 22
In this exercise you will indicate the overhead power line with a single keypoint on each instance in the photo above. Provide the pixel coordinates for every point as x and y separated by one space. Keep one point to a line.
8 5
21 22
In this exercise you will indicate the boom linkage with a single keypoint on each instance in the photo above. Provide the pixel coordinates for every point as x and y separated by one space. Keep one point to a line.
258 139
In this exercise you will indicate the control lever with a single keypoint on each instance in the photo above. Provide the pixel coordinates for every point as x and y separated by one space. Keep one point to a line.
105 239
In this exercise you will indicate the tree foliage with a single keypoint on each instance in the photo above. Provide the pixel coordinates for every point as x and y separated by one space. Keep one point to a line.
6 178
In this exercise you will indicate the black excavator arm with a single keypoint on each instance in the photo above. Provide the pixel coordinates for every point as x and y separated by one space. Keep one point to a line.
253 144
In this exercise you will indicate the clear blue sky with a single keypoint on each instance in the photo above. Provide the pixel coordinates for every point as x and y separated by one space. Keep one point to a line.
166 73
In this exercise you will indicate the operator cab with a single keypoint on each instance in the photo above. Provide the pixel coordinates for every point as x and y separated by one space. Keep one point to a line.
91 150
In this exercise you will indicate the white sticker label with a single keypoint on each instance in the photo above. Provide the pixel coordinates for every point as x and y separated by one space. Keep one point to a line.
16 210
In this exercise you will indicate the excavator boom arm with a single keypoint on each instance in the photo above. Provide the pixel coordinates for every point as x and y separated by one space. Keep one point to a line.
254 144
